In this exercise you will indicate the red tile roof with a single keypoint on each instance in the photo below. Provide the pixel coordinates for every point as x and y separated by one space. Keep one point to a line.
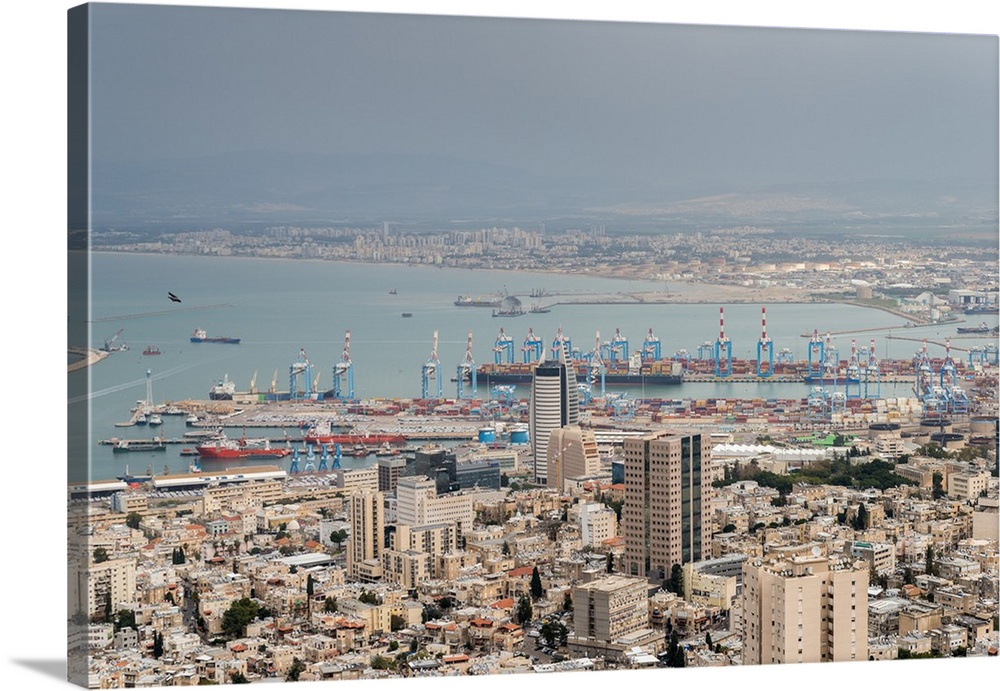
521 572
506 603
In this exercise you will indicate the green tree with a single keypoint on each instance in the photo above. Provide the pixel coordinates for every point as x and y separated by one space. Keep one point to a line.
337 537
937 481
330 604
675 651
610 566
567 602
100 555
708 639
524 611
505 550
536 584
396 622
929 567
157 645
133 520
369 598
126 620
295 670
860 521
239 678
676 583
240 613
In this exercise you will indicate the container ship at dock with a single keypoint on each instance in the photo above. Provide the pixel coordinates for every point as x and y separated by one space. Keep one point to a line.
655 373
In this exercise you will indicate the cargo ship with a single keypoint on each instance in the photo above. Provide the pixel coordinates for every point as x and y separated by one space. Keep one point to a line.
983 328
652 373
199 336
222 447
151 350
352 439
223 390
983 309
815 381
129 445
478 301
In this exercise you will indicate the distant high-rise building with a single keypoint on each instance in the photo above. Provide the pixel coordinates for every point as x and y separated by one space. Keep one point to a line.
367 531
665 503
572 453
805 608
555 402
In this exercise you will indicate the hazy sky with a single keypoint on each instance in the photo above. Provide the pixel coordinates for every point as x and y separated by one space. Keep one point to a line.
624 100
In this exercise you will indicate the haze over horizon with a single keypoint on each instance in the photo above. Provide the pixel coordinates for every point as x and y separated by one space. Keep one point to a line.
215 115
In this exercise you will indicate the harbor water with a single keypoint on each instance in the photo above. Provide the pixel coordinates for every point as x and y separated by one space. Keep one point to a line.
278 307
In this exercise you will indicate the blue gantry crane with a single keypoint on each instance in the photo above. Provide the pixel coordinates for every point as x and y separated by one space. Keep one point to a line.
466 371
343 372
431 370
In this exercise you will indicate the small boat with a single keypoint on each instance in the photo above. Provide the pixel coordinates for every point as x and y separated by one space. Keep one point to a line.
188 451
151 350
191 420
392 291
407 314
538 309
154 420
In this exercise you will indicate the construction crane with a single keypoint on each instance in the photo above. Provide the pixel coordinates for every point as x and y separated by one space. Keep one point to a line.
109 345
273 389
344 370
253 382
765 348
431 370
723 351
467 370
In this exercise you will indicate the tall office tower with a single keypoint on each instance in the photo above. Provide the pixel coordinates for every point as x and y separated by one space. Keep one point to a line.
571 453
666 502
805 608
555 402
367 531
389 471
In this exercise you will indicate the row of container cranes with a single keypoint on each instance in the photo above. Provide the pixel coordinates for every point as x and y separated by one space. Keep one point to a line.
833 381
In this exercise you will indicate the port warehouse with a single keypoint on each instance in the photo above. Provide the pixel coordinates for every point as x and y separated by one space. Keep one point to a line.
180 481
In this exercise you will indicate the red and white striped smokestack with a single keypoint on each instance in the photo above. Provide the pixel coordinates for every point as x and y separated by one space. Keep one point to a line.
763 323
722 330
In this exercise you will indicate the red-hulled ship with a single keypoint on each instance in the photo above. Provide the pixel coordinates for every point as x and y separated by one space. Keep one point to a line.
223 447
314 436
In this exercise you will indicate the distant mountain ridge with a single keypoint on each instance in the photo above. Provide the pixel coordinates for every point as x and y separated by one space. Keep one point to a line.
265 187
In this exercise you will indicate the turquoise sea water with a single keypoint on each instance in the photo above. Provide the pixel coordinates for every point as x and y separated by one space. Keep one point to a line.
278 307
